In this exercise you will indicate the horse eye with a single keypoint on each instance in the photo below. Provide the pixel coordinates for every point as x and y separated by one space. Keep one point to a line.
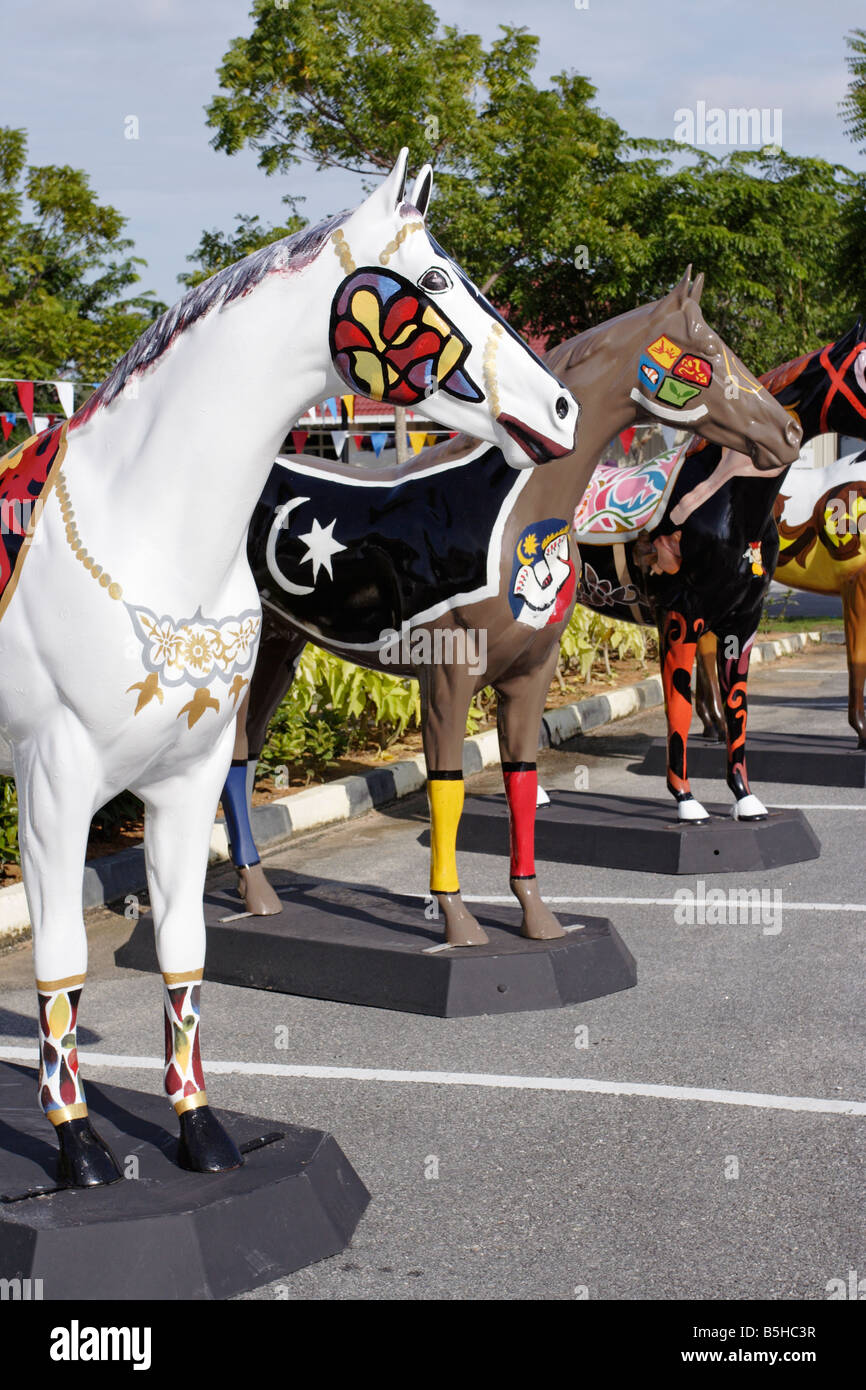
434 281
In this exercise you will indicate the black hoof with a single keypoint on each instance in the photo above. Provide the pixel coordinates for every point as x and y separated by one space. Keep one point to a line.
204 1146
85 1159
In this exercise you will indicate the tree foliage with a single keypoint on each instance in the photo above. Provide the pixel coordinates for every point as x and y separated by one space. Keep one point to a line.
552 208
65 272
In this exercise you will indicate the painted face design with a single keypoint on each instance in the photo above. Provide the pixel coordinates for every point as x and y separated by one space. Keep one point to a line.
390 342
542 578
695 369
672 376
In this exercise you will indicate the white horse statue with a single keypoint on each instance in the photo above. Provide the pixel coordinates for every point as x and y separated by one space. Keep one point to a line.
128 637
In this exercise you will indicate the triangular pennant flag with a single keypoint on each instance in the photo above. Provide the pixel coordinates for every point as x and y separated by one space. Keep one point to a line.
25 396
7 425
626 438
378 439
338 439
357 438
668 435
331 404
299 439
349 403
66 396
417 441
40 423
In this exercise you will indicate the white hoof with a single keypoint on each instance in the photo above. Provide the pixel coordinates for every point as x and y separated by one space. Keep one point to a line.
691 810
749 808
541 797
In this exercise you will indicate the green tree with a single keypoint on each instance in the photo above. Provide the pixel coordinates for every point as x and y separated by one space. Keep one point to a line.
853 108
218 249
560 216
65 273
853 227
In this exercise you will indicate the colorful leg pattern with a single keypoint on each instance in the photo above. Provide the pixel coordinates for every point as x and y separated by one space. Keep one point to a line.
184 1079
85 1160
678 639
734 655
445 793
521 790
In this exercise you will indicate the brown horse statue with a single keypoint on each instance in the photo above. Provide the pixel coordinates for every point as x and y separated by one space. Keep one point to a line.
465 576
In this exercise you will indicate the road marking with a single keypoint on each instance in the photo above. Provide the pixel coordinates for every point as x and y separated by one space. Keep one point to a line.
816 806
491 1081
665 902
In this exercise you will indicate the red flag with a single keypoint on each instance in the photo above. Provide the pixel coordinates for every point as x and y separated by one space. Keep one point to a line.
357 438
6 426
299 439
25 396
626 438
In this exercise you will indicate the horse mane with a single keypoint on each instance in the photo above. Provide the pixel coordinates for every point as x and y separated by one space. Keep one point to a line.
290 253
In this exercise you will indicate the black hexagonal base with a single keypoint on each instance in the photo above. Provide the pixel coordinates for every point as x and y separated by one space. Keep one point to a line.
803 760
367 946
631 832
165 1234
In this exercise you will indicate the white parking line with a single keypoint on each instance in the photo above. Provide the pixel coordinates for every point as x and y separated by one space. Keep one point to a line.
659 902
491 1081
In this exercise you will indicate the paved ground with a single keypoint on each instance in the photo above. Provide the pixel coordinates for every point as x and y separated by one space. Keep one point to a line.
543 1195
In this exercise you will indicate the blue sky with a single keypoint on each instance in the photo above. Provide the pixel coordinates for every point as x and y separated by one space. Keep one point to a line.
72 73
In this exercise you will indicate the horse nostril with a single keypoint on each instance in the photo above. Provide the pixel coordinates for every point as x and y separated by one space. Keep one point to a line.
562 407
793 433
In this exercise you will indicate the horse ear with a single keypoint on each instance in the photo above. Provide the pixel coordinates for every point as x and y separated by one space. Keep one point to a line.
422 189
389 195
697 288
680 292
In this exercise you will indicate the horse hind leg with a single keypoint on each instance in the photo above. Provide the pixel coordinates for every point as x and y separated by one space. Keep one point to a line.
54 814
708 702
854 611
178 820
276 664
518 715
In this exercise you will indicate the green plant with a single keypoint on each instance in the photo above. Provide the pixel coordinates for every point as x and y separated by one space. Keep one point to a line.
591 637
8 822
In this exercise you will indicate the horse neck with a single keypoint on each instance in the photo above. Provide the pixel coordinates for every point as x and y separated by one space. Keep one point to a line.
186 455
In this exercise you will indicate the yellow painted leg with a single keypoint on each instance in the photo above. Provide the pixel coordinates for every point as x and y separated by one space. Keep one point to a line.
445 795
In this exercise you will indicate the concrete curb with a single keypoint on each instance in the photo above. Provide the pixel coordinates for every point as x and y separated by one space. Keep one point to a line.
115 876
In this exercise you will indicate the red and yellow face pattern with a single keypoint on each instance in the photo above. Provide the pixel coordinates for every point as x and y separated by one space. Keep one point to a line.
390 342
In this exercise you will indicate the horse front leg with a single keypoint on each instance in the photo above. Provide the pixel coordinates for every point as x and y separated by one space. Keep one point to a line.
854 612
56 800
178 820
275 668
678 638
518 715
708 703
734 655
446 693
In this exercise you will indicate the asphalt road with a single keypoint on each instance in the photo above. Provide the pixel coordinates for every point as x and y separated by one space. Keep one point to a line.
503 1193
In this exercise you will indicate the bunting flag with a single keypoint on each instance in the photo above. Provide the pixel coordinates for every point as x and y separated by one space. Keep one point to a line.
66 396
417 440
330 404
40 423
299 439
7 425
378 439
25 396
357 438
668 435
338 439
349 403
626 438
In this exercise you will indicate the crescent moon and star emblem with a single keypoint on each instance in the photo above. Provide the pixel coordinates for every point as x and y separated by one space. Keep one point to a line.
321 543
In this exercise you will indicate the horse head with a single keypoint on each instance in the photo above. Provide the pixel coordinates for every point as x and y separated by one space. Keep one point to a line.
826 389
409 328
688 377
